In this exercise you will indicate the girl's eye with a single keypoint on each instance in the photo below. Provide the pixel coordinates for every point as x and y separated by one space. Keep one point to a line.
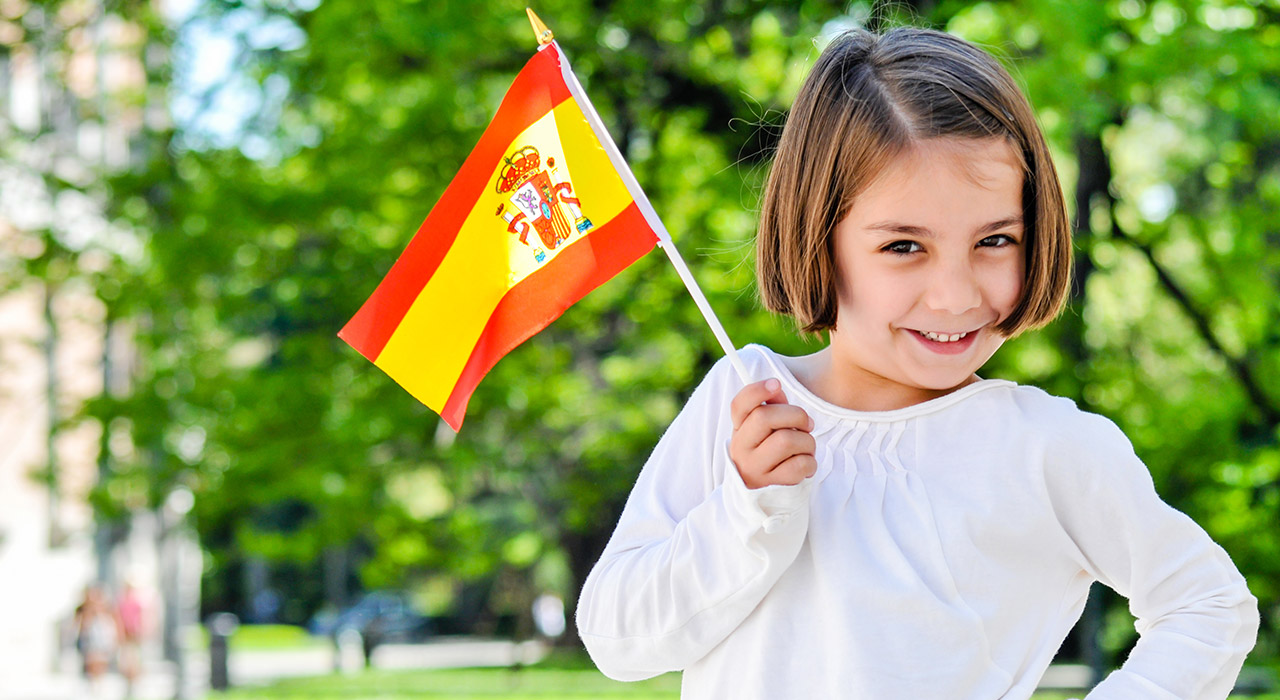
902 247
997 241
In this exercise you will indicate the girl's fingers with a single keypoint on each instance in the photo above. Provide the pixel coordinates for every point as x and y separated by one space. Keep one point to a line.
765 419
751 396
795 469
782 445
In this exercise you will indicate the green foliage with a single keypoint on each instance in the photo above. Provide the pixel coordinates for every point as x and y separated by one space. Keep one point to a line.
1163 117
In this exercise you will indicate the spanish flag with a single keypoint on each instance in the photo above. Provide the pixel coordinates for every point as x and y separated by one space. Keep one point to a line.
543 211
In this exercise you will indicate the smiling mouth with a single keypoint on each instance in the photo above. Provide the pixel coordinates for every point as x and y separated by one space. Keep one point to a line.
944 337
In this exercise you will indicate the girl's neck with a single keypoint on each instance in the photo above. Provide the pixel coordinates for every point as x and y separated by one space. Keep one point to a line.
850 386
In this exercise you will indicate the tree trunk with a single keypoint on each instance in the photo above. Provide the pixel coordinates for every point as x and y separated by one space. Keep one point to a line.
1094 181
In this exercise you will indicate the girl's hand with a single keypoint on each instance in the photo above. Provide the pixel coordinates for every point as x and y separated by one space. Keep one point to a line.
771 443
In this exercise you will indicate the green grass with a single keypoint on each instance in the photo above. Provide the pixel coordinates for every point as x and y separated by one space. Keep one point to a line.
266 638
465 684
564 674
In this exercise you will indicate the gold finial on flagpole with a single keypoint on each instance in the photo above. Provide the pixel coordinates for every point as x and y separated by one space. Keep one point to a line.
539 29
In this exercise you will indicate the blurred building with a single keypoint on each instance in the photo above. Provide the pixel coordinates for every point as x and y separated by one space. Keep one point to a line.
73 98
46 525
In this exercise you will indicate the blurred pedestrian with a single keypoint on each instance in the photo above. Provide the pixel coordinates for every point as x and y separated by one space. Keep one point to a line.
97 635
130 612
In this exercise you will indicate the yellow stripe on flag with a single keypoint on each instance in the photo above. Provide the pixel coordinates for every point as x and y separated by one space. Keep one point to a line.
485 261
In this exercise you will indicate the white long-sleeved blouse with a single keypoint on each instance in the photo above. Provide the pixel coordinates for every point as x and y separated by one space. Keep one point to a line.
942 550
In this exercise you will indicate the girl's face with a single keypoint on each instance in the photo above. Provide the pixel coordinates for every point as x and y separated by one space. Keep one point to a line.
929 260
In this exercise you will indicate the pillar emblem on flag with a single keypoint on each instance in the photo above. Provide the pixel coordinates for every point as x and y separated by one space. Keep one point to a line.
538 203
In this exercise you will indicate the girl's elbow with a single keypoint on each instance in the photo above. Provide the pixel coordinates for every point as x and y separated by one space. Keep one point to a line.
619 655
1237 607
618 659
614 657
1250 622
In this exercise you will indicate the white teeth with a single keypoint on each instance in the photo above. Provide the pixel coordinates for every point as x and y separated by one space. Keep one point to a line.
942 337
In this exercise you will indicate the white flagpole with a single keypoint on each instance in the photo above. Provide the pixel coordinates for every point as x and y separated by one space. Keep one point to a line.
646 209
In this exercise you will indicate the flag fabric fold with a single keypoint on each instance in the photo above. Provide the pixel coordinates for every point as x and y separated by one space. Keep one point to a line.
536 218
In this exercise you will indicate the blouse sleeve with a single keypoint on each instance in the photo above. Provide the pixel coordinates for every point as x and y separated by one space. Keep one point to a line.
1195 616
694 551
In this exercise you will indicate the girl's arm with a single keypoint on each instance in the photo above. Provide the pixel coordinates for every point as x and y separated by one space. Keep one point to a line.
694 551
1196 618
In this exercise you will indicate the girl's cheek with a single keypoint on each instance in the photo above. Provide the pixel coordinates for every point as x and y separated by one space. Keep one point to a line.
1012 293
1004 287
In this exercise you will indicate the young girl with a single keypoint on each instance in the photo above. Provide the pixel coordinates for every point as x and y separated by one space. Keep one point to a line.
874 520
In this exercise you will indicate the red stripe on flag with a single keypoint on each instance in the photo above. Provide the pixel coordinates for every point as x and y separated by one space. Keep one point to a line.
541 297
537 89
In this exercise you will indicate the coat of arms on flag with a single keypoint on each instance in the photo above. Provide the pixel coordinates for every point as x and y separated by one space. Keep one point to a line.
539 202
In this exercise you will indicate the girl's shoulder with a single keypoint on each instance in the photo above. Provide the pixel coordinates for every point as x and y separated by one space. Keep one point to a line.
1057 426
1057 414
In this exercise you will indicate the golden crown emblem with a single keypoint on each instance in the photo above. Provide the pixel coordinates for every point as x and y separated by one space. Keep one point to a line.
518 168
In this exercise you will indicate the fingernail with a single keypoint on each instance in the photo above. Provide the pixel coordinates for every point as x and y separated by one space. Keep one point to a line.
771 385
811 423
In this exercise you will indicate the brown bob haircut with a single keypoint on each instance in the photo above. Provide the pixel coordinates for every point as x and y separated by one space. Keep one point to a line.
868 98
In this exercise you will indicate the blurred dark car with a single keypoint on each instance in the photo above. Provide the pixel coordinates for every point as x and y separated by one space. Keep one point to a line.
380 617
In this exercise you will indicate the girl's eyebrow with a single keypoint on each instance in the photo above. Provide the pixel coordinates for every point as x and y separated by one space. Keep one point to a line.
910 230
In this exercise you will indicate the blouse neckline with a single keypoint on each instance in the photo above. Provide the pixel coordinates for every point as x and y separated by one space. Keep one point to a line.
795 388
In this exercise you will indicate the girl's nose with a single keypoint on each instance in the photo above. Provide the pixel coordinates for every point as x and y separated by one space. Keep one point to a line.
953 289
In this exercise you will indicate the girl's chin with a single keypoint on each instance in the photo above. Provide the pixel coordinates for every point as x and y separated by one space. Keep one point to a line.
948 377
943 384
